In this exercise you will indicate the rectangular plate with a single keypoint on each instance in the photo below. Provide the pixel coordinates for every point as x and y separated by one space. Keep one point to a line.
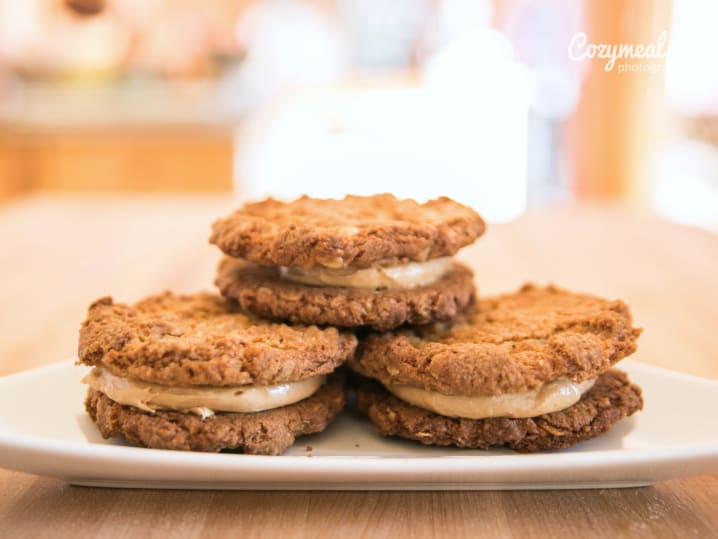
44 430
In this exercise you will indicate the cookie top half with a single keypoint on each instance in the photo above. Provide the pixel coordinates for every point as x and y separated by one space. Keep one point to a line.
204 339
505 344
356 231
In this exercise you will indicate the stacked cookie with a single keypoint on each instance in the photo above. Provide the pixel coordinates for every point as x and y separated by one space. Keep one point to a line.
253 370
361 261
197 373
529 370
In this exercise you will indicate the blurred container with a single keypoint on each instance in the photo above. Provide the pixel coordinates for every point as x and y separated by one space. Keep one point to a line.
459 130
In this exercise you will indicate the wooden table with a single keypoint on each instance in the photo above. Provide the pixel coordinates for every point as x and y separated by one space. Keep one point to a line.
58 254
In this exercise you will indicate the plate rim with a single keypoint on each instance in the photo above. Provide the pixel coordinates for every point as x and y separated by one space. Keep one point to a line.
353 465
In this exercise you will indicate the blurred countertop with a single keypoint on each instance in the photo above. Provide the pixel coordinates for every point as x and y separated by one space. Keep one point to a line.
147 104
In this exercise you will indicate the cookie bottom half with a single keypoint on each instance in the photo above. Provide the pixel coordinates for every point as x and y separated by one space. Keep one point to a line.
262 291
611 399
262 433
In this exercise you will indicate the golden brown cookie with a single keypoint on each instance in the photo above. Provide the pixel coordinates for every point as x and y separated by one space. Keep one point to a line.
611 398
195 372
264 433
357 232
262 291
204 339
505 344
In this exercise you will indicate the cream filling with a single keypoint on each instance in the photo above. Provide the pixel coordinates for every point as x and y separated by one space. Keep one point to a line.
201 400
552 397
403 276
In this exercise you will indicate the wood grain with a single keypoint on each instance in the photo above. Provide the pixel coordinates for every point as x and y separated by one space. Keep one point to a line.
58 254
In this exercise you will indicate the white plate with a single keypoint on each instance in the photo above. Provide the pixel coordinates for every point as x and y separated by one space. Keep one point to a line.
44 430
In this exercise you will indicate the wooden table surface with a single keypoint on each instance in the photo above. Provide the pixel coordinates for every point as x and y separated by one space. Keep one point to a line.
58 254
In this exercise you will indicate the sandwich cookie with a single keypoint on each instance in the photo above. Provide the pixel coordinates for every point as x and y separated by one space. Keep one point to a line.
196 373
360 261
530 370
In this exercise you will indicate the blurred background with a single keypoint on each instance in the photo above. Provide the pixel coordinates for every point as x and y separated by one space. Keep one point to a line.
128 126
496 103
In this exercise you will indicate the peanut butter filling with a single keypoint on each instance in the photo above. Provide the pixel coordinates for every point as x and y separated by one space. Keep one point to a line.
552 397
402 276
201 400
